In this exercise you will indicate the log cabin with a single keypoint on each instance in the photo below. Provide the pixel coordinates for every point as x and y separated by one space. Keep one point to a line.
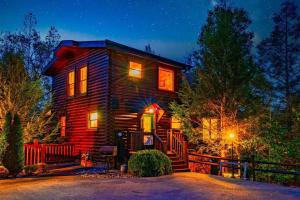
103 90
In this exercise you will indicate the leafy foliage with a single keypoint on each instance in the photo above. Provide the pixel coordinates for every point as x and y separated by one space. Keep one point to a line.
23 89
225 84
3 146
14 156
149 163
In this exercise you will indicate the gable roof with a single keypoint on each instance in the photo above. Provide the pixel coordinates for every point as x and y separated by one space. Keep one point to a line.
109 45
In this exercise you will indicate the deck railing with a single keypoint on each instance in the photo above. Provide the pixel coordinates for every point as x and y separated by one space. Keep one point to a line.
178 144
48 153
158 143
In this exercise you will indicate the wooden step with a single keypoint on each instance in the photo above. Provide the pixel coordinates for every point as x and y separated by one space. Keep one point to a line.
178 165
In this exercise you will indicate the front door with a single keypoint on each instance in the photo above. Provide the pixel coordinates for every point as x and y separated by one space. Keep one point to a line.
147 127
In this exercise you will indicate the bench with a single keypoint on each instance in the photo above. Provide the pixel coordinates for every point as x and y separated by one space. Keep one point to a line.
108 153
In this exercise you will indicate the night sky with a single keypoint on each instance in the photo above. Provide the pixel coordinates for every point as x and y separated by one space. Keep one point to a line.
170 26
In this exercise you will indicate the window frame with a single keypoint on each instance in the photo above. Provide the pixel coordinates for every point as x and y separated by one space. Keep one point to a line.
63 128
68 83
158 79
89 120
80 81
133 76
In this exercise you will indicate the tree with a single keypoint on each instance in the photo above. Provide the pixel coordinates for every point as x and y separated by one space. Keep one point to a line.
148 49
279 55
14 156
37 52
20 95
23 89
226 83
3 146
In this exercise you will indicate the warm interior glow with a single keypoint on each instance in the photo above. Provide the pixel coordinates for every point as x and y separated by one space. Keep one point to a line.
175 123
63 126
83 80
147 123
165 79
209 128
93 120
135 70
71 83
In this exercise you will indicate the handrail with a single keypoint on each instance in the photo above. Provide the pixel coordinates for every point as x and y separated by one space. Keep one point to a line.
159 143
47 153
178 144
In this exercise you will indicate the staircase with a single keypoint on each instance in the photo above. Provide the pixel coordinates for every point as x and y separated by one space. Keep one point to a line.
176 149
178 164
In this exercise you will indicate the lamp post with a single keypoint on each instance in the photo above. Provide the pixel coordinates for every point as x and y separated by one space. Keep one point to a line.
232 136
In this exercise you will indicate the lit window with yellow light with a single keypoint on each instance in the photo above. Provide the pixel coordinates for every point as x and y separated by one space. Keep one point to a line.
83 80
93 119
135 70
71 83
175 123
165 79
63 126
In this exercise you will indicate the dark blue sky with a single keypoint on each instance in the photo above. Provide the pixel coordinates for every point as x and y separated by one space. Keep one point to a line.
170 26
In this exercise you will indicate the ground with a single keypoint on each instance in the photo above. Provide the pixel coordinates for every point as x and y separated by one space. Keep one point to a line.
176 186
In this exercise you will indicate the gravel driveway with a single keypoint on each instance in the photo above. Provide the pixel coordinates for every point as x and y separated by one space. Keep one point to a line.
177 186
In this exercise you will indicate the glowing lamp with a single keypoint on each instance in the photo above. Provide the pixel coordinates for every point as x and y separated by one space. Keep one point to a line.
151 110
231 135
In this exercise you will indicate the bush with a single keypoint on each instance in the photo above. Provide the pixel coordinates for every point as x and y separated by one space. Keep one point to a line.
3 172
14 156
149 163
3 146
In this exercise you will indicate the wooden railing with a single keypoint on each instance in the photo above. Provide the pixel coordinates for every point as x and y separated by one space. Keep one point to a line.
48 153
254 165
158 143
178 144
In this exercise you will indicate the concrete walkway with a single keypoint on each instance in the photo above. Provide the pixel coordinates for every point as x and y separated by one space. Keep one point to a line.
177 186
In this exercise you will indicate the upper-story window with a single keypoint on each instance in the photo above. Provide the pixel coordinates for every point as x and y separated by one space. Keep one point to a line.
165 79
71 83
135 70
83 80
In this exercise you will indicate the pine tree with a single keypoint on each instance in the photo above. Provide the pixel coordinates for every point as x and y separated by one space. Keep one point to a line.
14 156
226 83
279 55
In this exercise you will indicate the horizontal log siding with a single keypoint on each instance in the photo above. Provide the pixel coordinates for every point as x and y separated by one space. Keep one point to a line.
132 92
78 107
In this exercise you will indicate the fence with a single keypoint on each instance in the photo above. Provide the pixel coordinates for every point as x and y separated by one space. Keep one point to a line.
48 153
253 165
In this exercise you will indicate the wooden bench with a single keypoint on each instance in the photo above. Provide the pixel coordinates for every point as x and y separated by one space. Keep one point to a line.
108 153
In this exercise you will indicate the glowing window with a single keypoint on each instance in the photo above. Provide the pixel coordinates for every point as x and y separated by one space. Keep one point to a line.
175 123
147 123
135 69
93 119
71 84
165 79
209 128
63 126
83 80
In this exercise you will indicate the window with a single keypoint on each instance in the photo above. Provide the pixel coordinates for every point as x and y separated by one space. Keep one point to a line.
93 119
175 123
165 79
209 128
147 123
71 84
135 69
63 126
83 80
